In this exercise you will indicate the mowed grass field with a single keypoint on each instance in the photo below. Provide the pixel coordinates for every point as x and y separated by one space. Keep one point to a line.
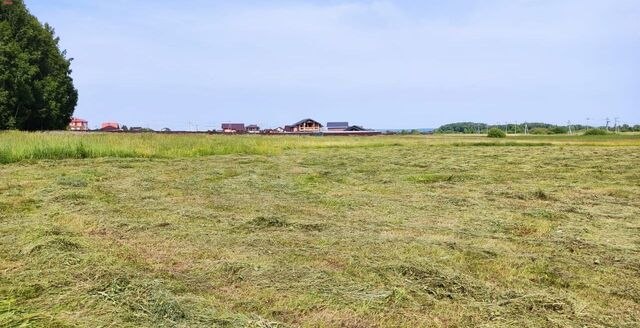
146 230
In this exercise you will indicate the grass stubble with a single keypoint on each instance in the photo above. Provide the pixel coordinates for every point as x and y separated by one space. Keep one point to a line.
184 231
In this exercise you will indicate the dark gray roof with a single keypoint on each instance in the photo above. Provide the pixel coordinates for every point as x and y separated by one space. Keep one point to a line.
305 121
233 126
332 125
356 128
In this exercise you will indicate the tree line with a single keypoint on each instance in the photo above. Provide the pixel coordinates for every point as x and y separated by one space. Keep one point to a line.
36 88
532 128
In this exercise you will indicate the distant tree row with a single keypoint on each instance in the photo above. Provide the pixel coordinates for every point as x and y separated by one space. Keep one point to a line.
463 127
36 89
532 128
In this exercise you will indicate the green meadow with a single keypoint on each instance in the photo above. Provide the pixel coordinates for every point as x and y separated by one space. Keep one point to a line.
148 230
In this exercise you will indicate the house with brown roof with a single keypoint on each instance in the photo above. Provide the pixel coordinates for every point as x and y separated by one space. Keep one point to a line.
304 126
233 128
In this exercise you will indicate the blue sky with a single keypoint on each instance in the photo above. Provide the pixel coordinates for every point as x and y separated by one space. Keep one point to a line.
382 64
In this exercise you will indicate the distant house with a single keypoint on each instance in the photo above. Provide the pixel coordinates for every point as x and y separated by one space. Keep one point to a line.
140 129
273 131
253 129
337 126
78 124
304 126
355 128
110 126
233 128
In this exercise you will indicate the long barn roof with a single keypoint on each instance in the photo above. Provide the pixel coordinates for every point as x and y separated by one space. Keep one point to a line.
337 125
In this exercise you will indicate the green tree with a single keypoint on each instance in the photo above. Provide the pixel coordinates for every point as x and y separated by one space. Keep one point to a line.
559 130
462 127
496 133
36 88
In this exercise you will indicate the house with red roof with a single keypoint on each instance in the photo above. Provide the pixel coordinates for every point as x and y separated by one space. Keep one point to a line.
78 124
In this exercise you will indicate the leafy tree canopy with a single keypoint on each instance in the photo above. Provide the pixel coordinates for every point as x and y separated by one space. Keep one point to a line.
36 88
496 133
533 128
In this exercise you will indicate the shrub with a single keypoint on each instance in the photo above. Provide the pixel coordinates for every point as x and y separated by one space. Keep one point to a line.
496 133
595 132
559 130
540 131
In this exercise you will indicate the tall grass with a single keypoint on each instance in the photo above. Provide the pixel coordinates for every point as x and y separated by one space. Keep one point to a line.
18 146
23 146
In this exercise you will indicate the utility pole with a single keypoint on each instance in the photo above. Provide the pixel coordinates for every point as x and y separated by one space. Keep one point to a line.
608 121
526 129
569 124
616 128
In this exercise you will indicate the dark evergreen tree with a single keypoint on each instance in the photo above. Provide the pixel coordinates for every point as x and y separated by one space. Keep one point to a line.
36 88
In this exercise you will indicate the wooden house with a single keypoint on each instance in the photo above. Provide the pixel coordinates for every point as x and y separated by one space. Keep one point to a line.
304 126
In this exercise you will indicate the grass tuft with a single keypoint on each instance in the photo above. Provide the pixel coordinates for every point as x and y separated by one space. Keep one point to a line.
147 299
59 244
263 222
541 195
427 178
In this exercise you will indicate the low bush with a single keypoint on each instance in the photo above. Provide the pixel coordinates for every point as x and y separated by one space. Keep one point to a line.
540 131
595 132
496 133
559 130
